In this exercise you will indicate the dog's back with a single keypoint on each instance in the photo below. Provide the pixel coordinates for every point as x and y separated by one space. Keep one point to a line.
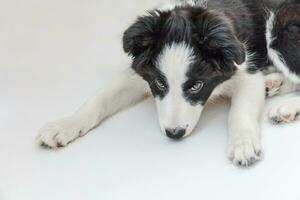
283 35
250 19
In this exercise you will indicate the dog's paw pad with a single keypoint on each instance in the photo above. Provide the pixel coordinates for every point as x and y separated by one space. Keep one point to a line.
273 84
59 133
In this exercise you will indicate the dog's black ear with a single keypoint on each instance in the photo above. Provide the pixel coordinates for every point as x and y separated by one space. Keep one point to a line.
218 41
234 50
142 35
225 44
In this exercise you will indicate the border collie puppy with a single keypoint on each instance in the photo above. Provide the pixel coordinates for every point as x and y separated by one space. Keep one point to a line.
187 53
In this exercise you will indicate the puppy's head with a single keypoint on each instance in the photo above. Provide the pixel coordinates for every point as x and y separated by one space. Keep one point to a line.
184 54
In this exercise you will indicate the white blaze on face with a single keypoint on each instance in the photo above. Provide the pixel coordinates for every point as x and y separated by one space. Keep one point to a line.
174 110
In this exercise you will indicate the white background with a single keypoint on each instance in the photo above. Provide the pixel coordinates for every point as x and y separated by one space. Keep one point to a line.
54 54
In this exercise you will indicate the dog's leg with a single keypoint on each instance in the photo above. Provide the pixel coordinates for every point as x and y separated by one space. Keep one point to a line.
277 84
244 120
126 89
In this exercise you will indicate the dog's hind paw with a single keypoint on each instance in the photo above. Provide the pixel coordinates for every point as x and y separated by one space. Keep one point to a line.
59 133
284 113
273 84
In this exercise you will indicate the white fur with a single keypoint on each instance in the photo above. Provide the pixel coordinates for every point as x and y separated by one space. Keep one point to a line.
167 5
126 89
275 55
174 110
244 118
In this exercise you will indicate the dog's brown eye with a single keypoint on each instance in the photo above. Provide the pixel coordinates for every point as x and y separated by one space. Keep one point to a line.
160 84
196 87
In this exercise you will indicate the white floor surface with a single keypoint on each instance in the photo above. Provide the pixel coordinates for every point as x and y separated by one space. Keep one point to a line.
54 54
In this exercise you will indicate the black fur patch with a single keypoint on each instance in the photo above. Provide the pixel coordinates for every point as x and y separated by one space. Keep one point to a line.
208 76
286 33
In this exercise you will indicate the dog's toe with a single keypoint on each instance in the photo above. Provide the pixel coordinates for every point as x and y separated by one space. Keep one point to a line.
285 112
244 153
59 133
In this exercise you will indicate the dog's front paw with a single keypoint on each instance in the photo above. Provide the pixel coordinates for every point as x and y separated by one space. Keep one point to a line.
244 152
284 112
273 84
60 133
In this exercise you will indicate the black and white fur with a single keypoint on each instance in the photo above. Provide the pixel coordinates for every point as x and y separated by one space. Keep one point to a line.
186 53
283 42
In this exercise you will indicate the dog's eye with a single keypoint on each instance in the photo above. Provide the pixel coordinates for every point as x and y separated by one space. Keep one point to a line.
160 84
196 87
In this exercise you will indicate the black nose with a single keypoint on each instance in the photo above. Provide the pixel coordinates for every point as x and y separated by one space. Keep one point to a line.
175 133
